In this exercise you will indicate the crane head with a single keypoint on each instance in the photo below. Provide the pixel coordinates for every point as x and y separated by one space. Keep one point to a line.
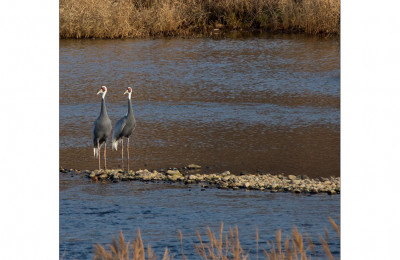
102 90
128 91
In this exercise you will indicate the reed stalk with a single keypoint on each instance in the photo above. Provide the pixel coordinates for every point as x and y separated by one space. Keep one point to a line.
218 248
152 18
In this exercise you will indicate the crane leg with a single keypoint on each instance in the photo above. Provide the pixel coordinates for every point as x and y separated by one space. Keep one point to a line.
128 153
98 150
122 153
105 156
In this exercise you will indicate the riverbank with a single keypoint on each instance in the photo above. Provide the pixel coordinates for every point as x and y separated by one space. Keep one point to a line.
188 18
192 174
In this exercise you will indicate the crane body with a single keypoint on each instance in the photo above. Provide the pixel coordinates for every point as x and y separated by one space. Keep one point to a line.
101 129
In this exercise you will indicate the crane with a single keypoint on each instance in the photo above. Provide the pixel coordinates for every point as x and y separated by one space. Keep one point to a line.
124 128
101 129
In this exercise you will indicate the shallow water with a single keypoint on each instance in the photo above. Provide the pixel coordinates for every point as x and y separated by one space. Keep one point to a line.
268 103
92 213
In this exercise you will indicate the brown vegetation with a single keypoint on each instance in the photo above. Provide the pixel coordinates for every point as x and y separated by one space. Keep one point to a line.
220 247
149 18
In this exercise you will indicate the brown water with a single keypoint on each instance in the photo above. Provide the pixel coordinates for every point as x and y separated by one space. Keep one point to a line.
268 103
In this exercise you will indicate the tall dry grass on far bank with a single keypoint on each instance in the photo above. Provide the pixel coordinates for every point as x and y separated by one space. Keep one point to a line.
149 18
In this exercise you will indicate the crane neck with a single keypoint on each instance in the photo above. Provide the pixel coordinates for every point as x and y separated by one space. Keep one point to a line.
130 111
103 107
103 95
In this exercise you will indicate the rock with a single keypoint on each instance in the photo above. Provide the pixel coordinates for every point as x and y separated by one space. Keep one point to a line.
223 186
192 177
193 166
246 185
173 172
92 175
331 192
297 182
200 178
225 173
103 176
291 177
175 177
226 178
115 176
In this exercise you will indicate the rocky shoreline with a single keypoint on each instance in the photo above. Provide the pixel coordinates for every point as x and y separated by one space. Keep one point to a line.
191 174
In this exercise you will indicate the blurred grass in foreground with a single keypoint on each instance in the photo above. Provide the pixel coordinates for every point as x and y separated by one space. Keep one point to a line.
222 247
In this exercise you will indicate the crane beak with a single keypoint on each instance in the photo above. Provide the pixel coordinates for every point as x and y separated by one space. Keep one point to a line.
126 92
101 91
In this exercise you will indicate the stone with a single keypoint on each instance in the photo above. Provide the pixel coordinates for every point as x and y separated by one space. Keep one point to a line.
193 166
92 175
291 177
175 177
192 177
223 186
226 178
173 172
297 182
103 176
331 192
225 173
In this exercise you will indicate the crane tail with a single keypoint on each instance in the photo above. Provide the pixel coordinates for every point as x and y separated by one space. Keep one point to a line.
115 144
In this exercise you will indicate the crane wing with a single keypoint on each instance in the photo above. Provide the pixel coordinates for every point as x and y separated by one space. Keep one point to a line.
116 135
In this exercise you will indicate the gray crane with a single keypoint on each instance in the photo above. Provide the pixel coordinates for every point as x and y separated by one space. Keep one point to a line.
124 128
101 129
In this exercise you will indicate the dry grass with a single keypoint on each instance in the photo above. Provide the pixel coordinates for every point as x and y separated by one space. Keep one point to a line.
149 18
220 247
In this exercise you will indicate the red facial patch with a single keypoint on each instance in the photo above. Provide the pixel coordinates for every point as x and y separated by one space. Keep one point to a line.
129 89
103 88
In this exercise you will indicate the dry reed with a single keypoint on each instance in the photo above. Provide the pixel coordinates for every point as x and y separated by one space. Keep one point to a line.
151 18
220 247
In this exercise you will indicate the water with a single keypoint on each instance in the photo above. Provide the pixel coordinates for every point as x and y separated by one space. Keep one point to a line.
92 213
269 103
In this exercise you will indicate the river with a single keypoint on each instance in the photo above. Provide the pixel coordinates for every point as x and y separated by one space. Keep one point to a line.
92 213
266 103
255 103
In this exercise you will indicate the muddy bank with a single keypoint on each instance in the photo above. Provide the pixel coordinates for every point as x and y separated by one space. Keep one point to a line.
192 174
